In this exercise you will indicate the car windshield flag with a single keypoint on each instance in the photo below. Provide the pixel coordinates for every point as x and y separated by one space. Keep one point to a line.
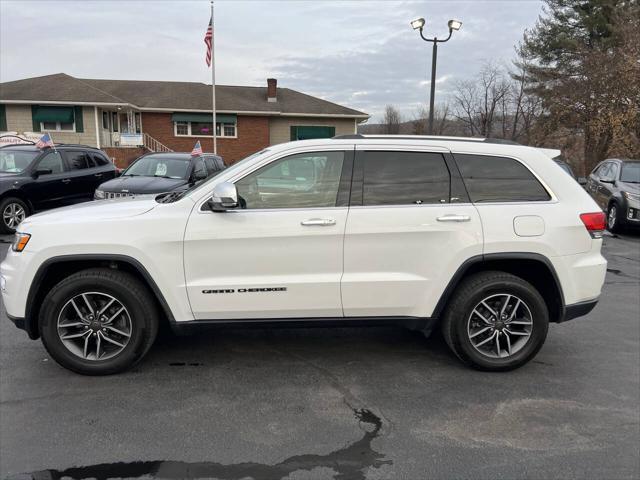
45 141
197 150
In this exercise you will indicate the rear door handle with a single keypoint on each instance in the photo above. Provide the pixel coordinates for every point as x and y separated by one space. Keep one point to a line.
66 180
454 218
97 175
319 222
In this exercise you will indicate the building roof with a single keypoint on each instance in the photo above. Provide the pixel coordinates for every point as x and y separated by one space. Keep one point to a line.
167 96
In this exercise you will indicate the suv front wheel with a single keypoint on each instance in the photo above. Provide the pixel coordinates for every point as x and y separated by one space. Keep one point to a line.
13 211
98 321
496 321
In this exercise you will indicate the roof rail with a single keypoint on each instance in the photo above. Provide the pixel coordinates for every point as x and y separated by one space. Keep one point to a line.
358 136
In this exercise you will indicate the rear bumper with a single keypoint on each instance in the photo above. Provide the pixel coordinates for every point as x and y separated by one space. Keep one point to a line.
579 309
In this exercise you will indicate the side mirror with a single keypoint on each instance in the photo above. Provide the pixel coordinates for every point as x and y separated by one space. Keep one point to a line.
224 197
582 181
42 171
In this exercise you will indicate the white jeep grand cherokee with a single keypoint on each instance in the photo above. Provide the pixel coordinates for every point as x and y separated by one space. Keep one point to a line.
488 241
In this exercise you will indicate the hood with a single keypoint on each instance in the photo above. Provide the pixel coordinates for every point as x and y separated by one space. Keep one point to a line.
142 185
629 187
94 211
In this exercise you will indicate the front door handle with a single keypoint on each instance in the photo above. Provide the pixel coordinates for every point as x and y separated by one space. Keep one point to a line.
454 218
97 175
319 222
66 180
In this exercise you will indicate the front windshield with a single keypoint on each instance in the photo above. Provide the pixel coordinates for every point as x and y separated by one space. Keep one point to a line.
16 161
630 172
172 197
159 166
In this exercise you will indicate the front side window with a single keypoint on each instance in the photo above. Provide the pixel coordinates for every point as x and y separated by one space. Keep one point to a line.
405 178
307 180
499 179
52 161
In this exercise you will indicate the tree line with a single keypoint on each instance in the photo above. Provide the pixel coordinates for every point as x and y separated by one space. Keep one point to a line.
574 84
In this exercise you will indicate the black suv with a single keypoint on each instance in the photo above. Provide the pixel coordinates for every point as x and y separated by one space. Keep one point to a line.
33 179
161 173
615 185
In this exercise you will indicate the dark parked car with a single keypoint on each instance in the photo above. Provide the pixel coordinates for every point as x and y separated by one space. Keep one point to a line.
615 186
160 173
33 179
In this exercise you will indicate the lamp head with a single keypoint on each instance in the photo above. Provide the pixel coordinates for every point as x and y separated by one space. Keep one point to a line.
418 24
455 24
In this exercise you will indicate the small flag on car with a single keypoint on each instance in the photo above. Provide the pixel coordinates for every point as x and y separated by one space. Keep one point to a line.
197 150
45 141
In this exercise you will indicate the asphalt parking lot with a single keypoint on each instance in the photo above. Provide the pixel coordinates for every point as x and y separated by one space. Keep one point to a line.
375 403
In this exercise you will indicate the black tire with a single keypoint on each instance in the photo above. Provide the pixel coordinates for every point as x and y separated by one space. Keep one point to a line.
6 203
129 291
468 295
614 219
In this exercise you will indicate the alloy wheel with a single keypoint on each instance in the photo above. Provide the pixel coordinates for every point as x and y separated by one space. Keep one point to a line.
612 217
13 214
500 325
94 326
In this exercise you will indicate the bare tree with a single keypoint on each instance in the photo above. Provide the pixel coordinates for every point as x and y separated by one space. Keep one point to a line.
391 120
478 103
440 120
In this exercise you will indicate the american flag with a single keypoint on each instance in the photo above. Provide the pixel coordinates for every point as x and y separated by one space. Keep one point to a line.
45 141
208 40
197 150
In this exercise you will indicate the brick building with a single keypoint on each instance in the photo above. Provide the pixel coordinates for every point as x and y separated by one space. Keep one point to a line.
128 117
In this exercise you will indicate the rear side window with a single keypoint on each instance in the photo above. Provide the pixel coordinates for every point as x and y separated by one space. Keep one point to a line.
98 160
77 160
499 179
404 178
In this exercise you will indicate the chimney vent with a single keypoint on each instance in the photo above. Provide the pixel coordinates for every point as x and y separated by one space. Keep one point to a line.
272 85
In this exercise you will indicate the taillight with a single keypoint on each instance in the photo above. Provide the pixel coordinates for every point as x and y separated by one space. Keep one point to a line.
595 223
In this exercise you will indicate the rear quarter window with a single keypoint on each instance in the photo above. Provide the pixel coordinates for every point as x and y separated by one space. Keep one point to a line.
499 179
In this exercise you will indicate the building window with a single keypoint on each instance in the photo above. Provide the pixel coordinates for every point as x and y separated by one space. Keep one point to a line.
105 120
204 129
182 128
57 127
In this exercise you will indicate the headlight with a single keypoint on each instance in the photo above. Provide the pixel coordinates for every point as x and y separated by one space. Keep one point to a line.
20 241
632 196
98 195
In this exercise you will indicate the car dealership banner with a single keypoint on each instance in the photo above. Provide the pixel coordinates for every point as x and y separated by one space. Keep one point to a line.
13 138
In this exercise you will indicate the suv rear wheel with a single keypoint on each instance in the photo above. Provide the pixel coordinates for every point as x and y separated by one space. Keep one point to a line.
98 321
13 211
496 321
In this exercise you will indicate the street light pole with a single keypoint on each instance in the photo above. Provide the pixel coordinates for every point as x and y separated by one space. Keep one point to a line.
434 59
419 25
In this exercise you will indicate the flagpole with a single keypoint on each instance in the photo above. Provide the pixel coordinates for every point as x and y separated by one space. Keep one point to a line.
213 85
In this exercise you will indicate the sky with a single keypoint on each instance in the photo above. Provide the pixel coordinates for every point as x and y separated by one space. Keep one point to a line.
362 54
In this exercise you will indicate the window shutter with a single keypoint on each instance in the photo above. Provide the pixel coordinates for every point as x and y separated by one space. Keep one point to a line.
77 114
3 118
36 123
294 133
